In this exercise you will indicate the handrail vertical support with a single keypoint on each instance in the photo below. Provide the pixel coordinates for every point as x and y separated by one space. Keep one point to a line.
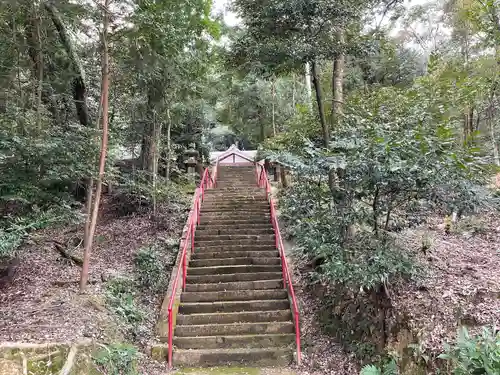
170 336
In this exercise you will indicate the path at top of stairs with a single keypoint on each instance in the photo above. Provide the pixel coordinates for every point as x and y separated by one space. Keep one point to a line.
234 309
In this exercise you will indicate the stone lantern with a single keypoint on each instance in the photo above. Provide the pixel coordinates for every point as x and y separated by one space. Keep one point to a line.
191 160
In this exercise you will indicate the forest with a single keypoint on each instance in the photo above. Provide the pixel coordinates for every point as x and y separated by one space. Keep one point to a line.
379 122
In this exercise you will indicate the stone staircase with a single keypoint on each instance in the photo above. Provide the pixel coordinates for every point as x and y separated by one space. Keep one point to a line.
234 309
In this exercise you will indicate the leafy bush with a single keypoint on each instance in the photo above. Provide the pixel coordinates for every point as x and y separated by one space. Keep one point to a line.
389 368
150 268
117 359
14 229
474 354
120 293
387 167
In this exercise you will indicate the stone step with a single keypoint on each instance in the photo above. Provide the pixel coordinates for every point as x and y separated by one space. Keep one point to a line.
228 231
232 215
239 341
234 254
214 220
258 357
222 270
234 227
233 210
241 202
234 262
235 247
234 295
232 306
216 195
236 285
236 206
235 317
210 236
233 329
231 242
240 198
208 279
232 190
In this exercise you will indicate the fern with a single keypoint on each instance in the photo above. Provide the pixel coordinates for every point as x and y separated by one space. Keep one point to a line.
391 368
371 370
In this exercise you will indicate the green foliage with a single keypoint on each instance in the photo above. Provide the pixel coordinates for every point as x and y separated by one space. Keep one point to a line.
389 368
474 354
150 268
120 296
13 229
370 370
117 359
394 161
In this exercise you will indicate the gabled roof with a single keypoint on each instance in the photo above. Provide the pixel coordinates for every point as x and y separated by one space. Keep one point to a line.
233 149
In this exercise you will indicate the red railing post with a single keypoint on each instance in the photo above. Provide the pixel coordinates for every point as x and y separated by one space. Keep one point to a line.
297 335
170 336
198 210
184 271
192 237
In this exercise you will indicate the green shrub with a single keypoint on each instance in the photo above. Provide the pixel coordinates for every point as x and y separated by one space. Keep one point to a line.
150 268
117 359
13 230
389 368
120 296
474 354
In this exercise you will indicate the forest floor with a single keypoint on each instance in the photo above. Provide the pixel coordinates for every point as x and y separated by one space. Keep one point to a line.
461 285
42 303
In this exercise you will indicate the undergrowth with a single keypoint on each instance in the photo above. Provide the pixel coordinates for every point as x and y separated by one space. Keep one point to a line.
117 359
120 297
474 354
152 263
14 229
469 355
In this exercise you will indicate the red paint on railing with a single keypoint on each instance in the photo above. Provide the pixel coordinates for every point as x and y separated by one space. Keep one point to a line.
263 181
193 220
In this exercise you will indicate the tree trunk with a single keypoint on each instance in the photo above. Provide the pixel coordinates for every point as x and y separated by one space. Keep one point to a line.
319 99
338 82
273 95
308 86
104 144
35 53
79 88
40 72
169 155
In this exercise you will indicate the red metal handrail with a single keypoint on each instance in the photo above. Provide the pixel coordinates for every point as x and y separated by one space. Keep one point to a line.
263 181
193 220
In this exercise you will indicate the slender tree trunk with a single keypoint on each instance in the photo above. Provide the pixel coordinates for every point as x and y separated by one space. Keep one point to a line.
319 99
308 85
169 126
35 52
40 71
104 144
273 95
155 162
293 92
338 82
79 88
